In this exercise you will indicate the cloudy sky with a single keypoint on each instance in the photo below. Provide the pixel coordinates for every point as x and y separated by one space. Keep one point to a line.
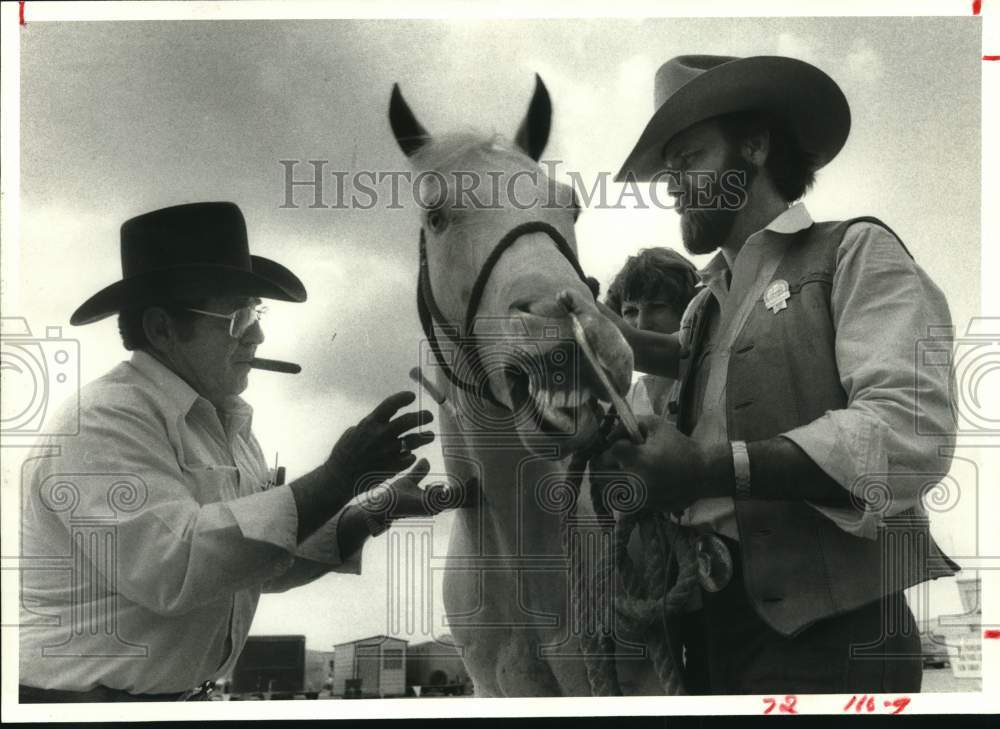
118 119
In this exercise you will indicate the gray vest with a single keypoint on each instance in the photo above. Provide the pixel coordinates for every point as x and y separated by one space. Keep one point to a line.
798 566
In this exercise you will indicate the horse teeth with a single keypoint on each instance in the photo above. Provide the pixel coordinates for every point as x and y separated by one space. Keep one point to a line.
538 396
559 399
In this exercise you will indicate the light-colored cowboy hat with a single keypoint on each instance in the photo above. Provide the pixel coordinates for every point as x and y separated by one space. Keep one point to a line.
193 250
690 89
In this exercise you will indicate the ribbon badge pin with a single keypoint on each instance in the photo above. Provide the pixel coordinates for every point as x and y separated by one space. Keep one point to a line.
777 295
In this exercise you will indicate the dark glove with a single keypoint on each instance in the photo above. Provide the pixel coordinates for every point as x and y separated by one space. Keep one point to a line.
379 446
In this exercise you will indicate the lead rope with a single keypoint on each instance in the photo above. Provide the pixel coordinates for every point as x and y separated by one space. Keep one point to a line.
638 604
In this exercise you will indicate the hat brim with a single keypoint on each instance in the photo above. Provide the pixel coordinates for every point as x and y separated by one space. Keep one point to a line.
267 279
808 100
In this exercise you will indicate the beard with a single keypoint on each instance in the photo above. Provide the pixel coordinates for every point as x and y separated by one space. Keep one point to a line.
703 231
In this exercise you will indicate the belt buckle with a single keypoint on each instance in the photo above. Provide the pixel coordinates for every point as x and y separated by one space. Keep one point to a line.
715 562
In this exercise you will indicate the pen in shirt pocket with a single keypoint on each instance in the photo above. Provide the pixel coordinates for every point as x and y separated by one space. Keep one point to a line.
276 476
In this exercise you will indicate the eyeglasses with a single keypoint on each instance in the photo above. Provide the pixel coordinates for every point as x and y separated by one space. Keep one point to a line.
240 320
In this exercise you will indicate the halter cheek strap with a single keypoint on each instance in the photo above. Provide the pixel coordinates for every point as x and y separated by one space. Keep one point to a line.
430 313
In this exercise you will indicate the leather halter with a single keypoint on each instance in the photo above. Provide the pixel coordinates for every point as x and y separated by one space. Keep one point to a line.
431 314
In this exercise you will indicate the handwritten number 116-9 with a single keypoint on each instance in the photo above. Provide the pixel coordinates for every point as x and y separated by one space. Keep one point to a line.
866 704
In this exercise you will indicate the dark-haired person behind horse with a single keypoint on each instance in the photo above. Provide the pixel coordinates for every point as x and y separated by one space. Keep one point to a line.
796 456
202 528
650 293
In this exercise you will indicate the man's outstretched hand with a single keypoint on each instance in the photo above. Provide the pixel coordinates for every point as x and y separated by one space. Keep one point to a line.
379 446
405 498
412 500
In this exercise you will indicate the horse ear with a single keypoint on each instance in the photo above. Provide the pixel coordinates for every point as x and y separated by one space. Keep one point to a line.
533 134
410 134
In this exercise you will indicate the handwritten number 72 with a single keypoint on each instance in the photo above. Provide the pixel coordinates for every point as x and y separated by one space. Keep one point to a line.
785 707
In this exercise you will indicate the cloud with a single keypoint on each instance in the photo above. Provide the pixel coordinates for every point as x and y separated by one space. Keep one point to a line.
796 46
864 63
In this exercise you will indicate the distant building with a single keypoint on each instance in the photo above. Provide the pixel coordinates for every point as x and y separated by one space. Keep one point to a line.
436 667
968 591
959 625
958 635
376 666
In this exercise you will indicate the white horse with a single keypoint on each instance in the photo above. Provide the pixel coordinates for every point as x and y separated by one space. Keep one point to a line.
496 247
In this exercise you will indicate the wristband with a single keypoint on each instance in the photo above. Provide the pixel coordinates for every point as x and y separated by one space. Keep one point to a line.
741 468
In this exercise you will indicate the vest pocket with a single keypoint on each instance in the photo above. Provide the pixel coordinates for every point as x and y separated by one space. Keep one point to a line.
814 277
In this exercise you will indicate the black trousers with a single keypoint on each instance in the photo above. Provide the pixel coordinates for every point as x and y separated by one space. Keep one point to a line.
728 649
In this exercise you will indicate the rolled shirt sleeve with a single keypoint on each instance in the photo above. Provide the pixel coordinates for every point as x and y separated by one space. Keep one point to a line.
268 516
883 305
172 552
316 556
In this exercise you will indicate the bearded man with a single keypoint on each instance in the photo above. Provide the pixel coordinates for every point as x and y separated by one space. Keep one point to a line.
792 455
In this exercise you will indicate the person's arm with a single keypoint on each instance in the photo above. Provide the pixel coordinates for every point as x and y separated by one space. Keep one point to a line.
373 511
318 495
364 456
883 306
182 544
653 353
885 309
320 554
172 553
779 469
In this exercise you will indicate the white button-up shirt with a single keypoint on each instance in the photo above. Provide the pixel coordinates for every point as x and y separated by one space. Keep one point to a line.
148 538
883 304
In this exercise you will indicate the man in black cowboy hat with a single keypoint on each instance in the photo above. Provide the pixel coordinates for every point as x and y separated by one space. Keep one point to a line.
794 459
163 498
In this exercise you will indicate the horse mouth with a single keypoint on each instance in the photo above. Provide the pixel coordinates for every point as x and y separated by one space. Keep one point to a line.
552 409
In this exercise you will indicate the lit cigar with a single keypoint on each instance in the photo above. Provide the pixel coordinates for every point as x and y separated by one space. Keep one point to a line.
275 365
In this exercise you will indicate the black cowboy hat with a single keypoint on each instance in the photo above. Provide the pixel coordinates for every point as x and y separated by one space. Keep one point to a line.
189 251
691 89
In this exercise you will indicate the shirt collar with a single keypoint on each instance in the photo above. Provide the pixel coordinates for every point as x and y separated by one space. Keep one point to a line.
174 394
791 220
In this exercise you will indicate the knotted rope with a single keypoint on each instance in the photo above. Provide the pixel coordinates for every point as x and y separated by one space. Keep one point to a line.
613 600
